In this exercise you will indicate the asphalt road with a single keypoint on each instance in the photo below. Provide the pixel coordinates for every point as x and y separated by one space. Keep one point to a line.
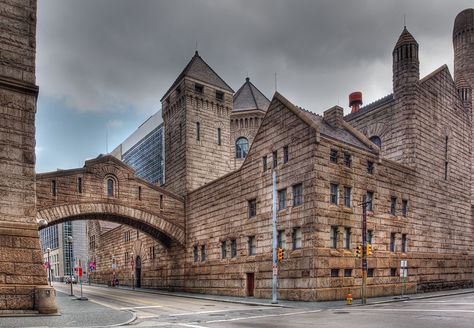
154 310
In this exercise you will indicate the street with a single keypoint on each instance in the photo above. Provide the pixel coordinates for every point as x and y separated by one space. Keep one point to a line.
156 310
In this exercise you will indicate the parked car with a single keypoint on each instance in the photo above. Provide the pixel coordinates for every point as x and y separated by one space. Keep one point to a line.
67 280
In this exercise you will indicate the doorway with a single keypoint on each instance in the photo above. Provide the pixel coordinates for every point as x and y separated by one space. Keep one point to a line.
138 272
250 283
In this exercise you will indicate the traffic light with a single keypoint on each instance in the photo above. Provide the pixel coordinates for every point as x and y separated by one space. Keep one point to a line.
369 249
359 251
280 254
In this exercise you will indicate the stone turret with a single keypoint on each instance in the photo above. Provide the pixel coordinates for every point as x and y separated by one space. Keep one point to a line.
406 65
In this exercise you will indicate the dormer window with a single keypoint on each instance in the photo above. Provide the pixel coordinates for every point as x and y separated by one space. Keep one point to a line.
219 95
199 88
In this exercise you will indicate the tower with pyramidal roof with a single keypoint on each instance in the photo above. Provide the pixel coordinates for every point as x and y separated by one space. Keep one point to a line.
196 111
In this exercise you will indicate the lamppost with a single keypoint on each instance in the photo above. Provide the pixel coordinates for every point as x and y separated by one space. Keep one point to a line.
49 265
69 239
133 273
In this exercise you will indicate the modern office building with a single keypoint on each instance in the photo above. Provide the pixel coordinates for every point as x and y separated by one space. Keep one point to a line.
143 150
62 255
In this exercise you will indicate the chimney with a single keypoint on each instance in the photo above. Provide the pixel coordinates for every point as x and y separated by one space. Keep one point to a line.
334 116
355 101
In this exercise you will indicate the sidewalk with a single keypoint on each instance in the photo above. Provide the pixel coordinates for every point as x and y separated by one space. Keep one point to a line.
74 313
297 304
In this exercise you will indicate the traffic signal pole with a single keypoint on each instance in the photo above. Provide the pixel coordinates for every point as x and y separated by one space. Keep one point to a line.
275 265
364 250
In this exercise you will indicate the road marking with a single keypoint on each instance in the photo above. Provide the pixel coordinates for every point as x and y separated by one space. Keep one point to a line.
443 302
263 316
414 310
189 325
141 307
217 311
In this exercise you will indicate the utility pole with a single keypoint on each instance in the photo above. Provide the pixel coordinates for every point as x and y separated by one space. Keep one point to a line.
275 265
70 240
364 249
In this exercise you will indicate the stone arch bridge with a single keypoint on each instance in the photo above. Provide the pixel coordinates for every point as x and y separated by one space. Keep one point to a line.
107 189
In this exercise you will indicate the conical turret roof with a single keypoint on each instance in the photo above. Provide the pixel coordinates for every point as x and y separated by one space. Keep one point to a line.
248 97
464 21
405 38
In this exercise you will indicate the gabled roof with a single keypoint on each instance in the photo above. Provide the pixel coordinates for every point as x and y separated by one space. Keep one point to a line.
345 133
248 97
199 70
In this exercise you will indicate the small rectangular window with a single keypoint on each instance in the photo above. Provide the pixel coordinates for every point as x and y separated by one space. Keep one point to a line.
370 272
347 272
161 202
334 193
195 253
178 90
233 248
53 188
404 243
264 163
334 231
370 236
252 208
405 207
252 245
203 253
347 238
392 242
223 249
347 196
370 200
275 159
347 159
198 131
334 273
219 95
333 156
285 154
296 238
370 167
298 194
139 193
199 88
281 239
393 205
393 272
219 141
79 185
281 199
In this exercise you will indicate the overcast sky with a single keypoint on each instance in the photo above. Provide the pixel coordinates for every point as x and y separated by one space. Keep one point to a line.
105 64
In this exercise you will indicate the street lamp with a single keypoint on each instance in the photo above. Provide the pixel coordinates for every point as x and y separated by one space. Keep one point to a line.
49 265
69 240
133 274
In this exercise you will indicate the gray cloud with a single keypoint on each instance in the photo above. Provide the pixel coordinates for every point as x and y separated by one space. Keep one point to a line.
111 56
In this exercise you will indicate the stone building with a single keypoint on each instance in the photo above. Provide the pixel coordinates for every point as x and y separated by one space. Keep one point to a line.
409 153
21 269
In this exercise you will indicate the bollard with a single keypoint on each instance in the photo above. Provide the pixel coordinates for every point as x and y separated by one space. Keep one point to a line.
45 300
349 299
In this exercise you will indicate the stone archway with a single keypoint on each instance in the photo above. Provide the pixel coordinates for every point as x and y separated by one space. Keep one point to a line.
151 223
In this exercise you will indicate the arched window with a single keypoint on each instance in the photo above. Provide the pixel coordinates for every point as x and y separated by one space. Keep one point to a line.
110 187
376 140
241 147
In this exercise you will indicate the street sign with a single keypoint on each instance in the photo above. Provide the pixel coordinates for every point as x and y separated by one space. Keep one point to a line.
114 266
91 266
275 270
403 264
80 272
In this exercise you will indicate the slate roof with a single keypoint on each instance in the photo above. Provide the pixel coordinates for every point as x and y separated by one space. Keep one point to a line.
199 70
370 107
248 97
340 134
405 38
